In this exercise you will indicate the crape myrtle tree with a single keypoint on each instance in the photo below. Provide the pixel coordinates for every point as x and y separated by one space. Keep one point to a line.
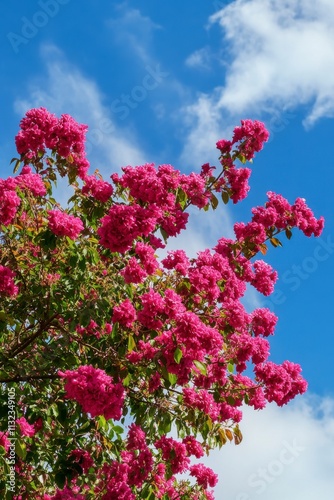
118 370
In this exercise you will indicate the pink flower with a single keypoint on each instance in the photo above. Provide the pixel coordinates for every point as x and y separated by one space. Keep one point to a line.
204 475
224 146
7 285
125 313
253 135
95 391
174 453
63 224
33 182
178 260
133 272
9 200
238 179
265 277
263 322
281 382
194 187
36 131
147 257
123 224
99 189
25 428
67 494
83 458
70 136
193 446
153 306
4 441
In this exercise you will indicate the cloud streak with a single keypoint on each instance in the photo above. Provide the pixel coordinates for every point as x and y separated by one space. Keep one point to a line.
286 453
64 89
281 52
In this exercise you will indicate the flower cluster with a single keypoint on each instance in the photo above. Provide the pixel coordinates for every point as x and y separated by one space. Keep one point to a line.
7 284
99 189
164 342
63 224
9 201
41 130
282 382
25 428
95 391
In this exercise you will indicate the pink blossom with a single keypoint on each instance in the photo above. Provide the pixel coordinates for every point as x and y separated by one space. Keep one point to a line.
133 272
123 224
67 494
178 260
99 189
263 322
305 219
224 146
281 382
83 458
238 179
125 313
264 278
33 182
70 136
194 187
147 257
201 400
4 441
152 307
204 475
253 135
36 131
9 200
25 428
7 284
95 391
174 453
193 446
63 224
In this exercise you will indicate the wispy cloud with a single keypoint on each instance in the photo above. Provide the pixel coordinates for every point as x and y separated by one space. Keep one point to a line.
282 53
133 31
62 88
200 59
286 453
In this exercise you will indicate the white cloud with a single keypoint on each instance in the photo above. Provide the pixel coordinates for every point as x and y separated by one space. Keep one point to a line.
286 453
133 31
282 52
64 89
199 59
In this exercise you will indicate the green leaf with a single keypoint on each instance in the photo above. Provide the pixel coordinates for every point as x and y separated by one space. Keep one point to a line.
20 449
214 201
164 234
172 378
225 197
131 343
230 367
201 367
177 355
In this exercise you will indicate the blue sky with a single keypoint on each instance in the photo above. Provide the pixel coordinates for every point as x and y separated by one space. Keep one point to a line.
163 81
